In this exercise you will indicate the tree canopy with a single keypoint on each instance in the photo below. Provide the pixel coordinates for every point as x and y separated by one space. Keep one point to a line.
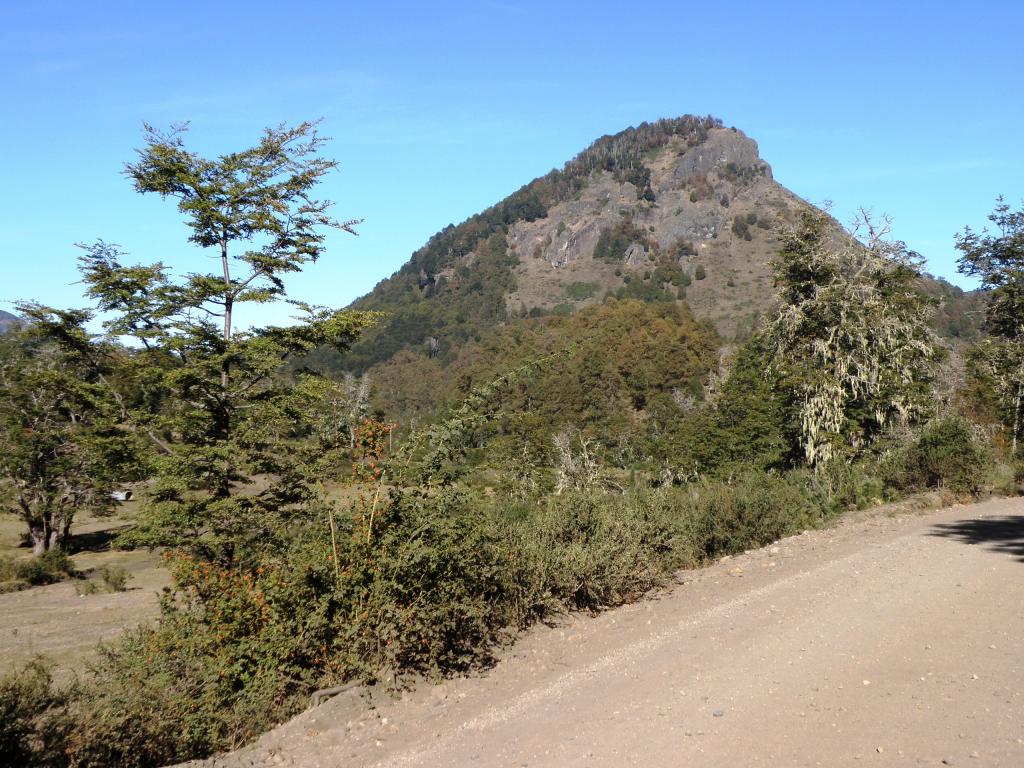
997 260
219 406
851 339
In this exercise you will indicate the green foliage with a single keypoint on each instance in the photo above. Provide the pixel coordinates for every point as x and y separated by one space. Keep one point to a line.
995 388
741 227
752 510
437 454
580 291
48 568
959 314
424 582
998 261
945 453
645 291
680 249
586 551
851 338
614 242
748 426
217 406
32 726
115 578
669 272
61 444
700 272
423 590
417 313
627 354
454 311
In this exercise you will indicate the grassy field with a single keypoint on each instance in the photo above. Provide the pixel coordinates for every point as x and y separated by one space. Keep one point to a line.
60 622
66 625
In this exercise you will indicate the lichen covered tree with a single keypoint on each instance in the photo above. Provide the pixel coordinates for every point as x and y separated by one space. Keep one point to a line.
851 341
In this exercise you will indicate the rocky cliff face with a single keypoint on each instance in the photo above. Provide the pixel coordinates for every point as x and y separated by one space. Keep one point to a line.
700 193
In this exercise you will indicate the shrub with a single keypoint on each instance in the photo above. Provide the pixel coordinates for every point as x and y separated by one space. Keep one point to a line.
840 486
115 578
586 550
85 587
48 568
578 291
32 725
613 242
944 454
751 510
700 274
427 582
425 593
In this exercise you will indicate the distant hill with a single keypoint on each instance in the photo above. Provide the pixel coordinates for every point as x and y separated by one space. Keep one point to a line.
681 211
7 320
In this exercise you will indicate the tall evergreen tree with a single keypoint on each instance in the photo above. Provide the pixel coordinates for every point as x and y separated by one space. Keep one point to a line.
225 418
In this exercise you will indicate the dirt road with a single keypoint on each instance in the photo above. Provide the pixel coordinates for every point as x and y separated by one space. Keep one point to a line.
882 641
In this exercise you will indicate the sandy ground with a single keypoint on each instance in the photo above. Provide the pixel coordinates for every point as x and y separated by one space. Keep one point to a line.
884 640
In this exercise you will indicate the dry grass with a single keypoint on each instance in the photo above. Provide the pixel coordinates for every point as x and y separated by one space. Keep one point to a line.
59 622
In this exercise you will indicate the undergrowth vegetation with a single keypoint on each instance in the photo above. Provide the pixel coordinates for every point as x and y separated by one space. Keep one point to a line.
52 566
427 583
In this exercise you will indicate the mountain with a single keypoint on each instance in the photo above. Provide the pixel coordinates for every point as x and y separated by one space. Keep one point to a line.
7 320
681 210
686 195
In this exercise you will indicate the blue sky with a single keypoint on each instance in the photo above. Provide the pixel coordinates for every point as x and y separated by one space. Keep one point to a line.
438 110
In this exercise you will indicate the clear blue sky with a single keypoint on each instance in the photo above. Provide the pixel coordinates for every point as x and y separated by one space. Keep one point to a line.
439 109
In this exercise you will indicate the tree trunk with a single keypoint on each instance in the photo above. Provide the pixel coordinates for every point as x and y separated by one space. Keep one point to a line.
228 306
65 529
39 522
1016 421
38 537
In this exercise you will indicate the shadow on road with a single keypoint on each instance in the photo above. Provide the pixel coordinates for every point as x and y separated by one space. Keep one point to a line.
999 534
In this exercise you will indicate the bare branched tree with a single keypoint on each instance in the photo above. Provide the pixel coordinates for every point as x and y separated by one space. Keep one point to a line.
578 466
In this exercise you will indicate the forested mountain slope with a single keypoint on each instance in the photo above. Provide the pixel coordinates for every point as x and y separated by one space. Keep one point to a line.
680 211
